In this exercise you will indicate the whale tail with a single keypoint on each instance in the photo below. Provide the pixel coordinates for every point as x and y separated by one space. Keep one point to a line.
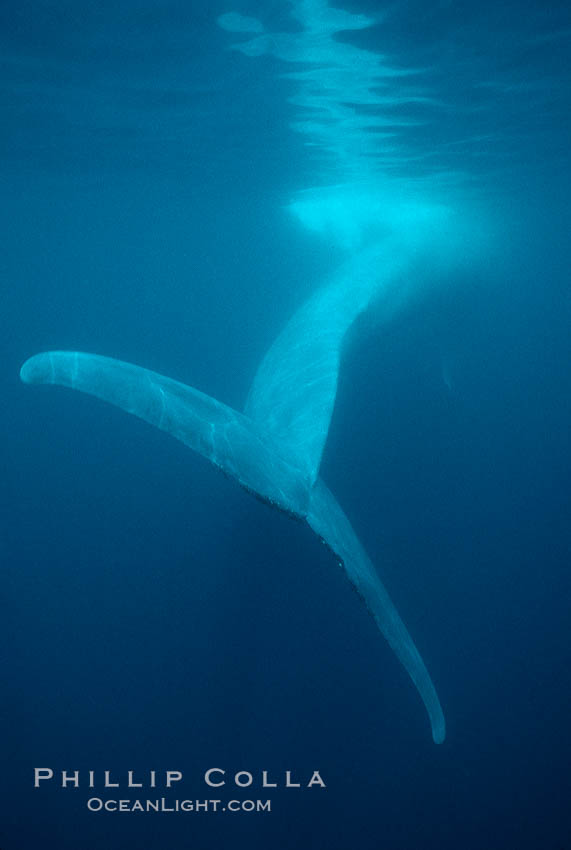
274 448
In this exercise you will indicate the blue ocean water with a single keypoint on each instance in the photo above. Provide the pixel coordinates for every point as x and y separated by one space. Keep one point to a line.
157 618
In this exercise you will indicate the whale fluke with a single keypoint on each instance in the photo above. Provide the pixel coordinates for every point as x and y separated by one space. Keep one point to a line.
274 448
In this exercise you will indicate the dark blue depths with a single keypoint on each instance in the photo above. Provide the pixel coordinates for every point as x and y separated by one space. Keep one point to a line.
155 616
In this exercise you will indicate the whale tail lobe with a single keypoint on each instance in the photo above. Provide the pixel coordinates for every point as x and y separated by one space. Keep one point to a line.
329 522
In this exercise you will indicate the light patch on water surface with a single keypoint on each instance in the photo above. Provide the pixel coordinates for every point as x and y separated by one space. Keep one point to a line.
345 95
234 22
352 107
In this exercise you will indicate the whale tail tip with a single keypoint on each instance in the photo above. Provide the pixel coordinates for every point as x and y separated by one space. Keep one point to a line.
33 370
439 732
